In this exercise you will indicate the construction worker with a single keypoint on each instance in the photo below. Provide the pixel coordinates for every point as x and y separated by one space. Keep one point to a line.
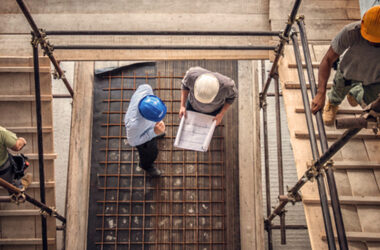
12 167
207 92
358 72
143 123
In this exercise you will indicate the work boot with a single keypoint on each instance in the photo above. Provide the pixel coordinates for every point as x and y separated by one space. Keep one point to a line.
26 181
154 172
329 113
351 100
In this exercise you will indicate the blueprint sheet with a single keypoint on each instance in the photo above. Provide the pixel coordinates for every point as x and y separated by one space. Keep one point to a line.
195 131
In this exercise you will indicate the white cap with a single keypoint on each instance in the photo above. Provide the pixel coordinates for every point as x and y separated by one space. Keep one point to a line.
206 87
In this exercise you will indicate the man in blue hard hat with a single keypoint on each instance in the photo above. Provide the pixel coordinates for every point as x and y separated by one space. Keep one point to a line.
143 123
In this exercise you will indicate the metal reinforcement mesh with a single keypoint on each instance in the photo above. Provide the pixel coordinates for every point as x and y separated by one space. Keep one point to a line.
184 208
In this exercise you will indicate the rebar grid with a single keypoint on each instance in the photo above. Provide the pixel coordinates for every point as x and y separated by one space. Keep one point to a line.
185 207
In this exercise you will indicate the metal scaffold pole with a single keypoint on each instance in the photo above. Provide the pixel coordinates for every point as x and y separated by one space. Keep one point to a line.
40 140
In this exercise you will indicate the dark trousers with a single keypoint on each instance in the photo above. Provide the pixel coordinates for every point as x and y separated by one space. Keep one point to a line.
189 107
7 172
148 153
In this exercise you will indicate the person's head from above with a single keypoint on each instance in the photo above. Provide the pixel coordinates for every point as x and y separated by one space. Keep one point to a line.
206 88
370 27
152 108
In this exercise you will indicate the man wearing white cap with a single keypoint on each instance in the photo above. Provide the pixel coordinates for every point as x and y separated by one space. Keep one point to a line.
207 92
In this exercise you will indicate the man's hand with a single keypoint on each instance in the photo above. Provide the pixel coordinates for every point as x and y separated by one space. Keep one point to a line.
159 128
20 143
182 112
318 102
218 118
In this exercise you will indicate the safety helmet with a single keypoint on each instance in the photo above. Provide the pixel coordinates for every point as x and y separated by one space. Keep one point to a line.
206 87
370 27
152 108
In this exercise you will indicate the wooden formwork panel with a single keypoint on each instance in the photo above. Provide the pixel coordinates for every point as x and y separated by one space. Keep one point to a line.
21 224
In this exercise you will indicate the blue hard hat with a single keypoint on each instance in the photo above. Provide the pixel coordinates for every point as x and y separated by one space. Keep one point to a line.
152 108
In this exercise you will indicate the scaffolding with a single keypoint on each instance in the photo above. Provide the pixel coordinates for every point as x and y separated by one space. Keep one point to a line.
321 162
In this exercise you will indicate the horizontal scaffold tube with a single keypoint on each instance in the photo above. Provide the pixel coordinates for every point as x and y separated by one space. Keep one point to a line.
160 33
180 47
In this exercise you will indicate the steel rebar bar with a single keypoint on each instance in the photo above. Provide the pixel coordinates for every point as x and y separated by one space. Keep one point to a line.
40 140
160 33
313 145
335 204
44 44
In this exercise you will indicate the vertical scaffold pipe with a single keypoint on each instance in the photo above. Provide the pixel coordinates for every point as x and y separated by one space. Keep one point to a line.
313 144
335 204
279 154
40 140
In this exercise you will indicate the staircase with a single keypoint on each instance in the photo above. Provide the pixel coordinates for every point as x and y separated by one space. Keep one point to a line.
20 225
357 165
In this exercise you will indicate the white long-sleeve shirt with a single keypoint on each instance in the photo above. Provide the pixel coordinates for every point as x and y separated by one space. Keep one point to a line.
139 130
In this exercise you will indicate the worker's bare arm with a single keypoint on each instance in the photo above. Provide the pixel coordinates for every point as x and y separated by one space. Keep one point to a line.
219 117
182 110
323 75
20 143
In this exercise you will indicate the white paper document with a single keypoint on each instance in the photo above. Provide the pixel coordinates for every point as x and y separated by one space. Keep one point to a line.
195 131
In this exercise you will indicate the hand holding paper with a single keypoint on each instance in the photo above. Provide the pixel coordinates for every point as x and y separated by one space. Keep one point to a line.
195 131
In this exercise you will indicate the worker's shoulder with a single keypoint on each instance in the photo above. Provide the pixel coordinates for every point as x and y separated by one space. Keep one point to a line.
144 86
2 129
352 27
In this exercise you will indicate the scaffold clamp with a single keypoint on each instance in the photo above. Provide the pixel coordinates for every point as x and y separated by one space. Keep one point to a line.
313 171
328 164
18 198
44 213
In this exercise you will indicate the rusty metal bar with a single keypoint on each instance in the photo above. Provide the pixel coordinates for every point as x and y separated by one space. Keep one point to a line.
106 164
